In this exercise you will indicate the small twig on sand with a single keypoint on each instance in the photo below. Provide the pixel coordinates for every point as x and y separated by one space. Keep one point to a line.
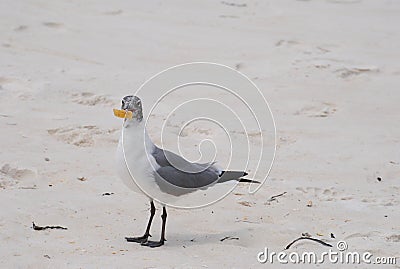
308 238
229 238
273 198
40 228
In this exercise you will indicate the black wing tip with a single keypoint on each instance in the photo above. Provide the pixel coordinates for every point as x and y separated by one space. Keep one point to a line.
245 180
223 171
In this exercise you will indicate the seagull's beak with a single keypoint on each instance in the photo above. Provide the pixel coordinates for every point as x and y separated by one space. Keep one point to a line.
125 114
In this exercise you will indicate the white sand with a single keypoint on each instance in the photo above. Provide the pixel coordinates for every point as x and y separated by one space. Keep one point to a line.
329 69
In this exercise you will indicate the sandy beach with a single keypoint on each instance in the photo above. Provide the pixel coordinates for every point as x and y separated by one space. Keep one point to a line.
329 70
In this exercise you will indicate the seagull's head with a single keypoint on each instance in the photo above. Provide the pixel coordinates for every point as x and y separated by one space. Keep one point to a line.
132 104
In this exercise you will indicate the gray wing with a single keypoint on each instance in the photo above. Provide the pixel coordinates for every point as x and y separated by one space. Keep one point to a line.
176 182
166 158
177 176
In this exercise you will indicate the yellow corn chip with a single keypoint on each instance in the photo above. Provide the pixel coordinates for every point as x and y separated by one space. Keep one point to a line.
123 113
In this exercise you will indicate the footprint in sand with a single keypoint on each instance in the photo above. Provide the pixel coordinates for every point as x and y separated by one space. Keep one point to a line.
393 238
321 110
189 131
369 200
323 194
184 129
113 12
254 137
362 235
4 81
51 24
91 99
382 201
21 28
16 88
285 140
347 72
10 175
7 81
84 136
284 42
341 68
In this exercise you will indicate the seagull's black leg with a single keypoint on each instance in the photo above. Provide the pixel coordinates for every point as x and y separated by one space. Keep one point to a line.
154 244
143 239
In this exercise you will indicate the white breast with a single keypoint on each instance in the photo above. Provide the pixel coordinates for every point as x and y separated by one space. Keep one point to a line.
135 164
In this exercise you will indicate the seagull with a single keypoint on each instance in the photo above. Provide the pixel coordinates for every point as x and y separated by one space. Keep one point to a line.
156 172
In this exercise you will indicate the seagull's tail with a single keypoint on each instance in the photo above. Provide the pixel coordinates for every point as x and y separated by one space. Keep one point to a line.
235 175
